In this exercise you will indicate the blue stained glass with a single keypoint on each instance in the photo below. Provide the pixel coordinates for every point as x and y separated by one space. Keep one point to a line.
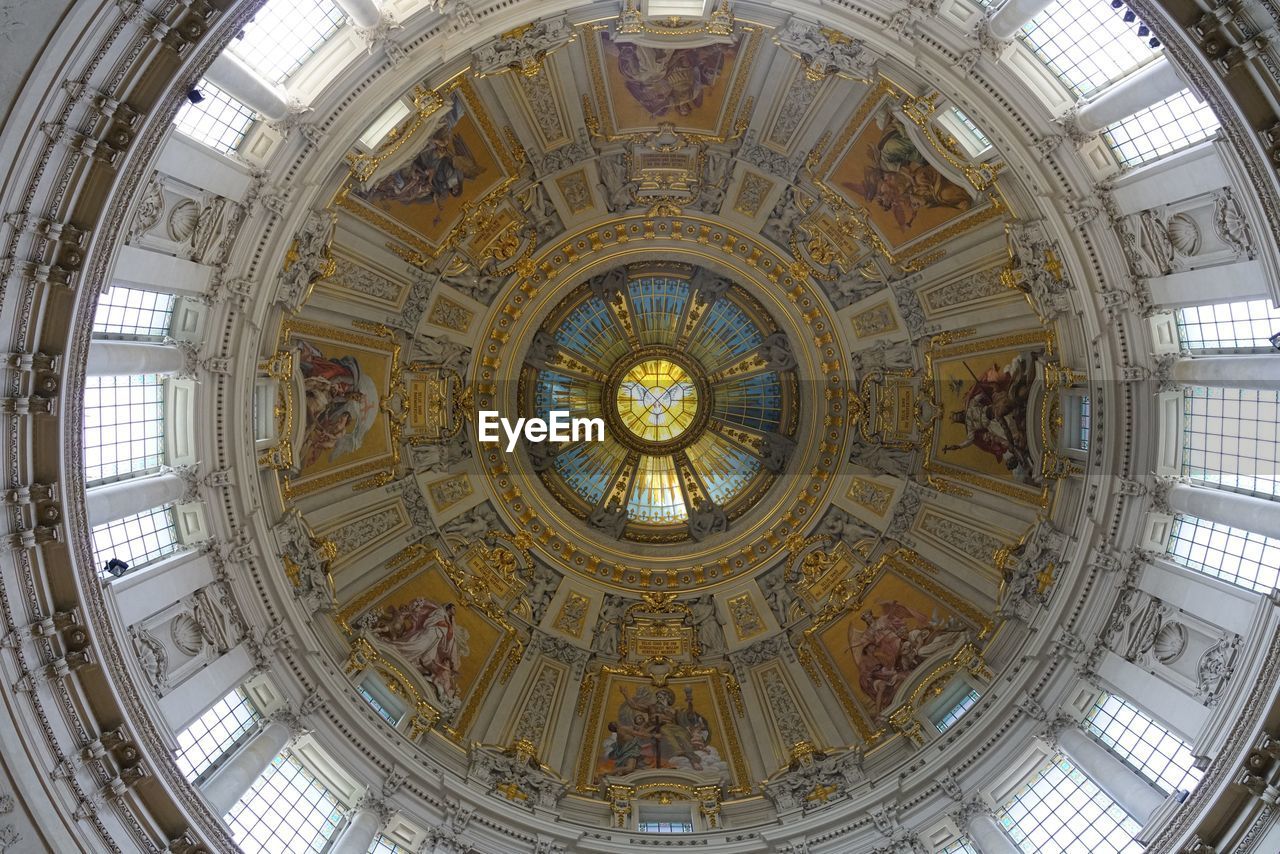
659 306
725 334
588 468
754 402
590 332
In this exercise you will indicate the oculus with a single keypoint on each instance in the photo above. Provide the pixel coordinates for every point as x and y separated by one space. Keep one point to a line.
697 387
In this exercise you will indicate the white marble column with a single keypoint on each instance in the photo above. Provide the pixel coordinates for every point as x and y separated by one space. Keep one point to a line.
1126 787
124 358
1146 87
987 835
1259 371
112 501
230 782
363 13
1013 16
359 832
1249 512
230 74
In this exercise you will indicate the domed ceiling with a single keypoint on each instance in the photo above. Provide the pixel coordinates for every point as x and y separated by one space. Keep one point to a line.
824 349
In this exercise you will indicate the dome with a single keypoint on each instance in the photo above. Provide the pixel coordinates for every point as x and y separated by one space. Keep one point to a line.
457 426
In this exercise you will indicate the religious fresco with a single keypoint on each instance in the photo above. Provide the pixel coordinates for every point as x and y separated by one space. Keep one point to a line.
884 171
990 395
452 169
426 624
685 86
340 379
877 645
676 726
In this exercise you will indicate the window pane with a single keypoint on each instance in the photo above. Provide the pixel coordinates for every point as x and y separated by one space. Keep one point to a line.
219 121
1061 811
1087 43
133 313
123 425
1240 557
1086 422
960 846
1174 123
213 734
976 132
1242 326
1152 750
286 810
1231 438
383 845
284 33
377 705
136 540
666 826
957 711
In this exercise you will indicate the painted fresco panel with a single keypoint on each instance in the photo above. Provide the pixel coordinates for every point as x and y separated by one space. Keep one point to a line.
879 645
454 168
684 86
884 172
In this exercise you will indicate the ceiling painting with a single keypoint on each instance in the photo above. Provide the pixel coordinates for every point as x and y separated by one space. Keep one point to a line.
642 85
441 165
340 380
420 621
684 725
894 624
990 397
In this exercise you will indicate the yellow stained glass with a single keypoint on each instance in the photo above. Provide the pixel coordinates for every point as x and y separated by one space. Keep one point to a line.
657 400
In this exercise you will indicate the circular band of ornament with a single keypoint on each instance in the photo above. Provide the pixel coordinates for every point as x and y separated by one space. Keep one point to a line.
758 540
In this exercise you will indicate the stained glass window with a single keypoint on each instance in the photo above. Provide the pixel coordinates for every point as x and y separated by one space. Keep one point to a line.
659 305
657 400
589 330
656 497
725 334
